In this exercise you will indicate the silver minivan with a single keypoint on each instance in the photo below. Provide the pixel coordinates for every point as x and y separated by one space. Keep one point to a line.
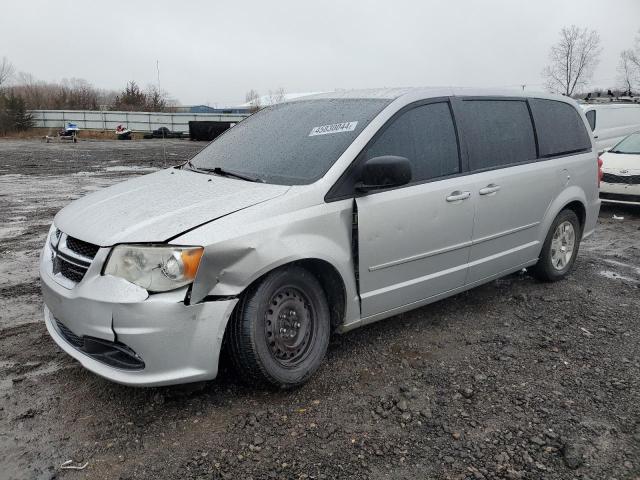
313 216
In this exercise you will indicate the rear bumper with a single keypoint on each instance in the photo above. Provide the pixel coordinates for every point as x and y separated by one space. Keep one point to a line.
175 343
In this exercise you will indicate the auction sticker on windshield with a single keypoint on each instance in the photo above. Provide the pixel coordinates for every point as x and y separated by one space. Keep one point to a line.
334 128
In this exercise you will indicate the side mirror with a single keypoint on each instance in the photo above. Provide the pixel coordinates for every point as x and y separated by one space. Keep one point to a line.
384 172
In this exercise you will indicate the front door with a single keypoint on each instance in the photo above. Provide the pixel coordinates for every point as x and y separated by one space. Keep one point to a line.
414 241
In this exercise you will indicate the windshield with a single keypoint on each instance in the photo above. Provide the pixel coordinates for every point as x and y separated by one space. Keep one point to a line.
631 144
290 143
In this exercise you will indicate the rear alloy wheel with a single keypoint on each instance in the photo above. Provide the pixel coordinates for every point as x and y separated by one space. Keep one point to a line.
560 248
280 330
563 242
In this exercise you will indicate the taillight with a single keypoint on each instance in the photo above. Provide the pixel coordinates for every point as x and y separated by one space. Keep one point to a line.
600 174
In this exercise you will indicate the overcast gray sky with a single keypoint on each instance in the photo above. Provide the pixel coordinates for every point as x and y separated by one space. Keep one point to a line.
215 51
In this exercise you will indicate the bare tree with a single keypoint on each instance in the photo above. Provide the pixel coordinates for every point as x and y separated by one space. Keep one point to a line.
633 59
634 53
6 70
628 73
252 97
572 60
35 93
277 96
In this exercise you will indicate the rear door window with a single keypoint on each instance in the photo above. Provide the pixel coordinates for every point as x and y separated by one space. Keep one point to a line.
426 136
560 128
498 133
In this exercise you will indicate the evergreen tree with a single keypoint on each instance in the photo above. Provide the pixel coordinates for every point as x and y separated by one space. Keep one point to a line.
131 99
19 118
13 114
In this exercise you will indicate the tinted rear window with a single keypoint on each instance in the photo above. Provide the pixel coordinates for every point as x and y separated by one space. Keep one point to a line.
291 143
560 128
498 133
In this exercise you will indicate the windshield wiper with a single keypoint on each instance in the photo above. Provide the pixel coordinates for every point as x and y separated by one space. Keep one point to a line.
232 173
229 173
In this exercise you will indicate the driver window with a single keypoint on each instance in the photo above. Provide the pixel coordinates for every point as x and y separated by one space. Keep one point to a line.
426 136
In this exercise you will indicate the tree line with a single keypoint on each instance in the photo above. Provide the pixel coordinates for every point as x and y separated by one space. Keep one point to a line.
21 92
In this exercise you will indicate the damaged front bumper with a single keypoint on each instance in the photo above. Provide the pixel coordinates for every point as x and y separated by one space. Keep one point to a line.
119 332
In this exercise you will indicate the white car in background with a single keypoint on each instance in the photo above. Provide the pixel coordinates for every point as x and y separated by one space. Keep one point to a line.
612 122
621 172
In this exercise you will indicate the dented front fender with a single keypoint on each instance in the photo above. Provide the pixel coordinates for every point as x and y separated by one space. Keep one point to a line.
243 247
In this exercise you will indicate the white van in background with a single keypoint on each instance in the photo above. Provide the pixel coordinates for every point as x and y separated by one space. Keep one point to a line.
612 122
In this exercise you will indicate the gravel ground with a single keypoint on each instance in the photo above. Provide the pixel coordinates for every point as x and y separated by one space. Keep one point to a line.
514 379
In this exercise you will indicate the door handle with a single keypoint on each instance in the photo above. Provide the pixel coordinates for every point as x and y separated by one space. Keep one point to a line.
457 196
489 189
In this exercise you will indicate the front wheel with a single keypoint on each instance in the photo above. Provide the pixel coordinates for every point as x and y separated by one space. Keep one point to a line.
560 248
280 330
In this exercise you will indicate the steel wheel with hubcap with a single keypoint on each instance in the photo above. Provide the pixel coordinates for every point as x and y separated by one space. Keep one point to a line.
289 326
560 248
280 330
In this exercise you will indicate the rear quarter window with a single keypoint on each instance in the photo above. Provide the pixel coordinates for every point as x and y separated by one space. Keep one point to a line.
560 128
591 118
498 133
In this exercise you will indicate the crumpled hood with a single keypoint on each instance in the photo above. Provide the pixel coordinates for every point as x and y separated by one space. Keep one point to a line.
159 206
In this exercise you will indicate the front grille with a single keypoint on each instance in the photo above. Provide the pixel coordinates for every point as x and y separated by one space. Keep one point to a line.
114 354
624 179
71 257
81 247
68 269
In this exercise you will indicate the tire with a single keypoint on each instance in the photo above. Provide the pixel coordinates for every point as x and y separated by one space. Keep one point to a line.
280 329
554 265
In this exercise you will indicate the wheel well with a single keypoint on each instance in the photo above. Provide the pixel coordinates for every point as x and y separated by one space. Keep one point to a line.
333 286
579 210
331 282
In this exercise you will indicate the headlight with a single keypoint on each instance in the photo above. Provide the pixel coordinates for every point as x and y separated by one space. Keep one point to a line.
54 235
156 268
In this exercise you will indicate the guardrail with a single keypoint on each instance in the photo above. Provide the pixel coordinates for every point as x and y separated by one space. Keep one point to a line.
136 121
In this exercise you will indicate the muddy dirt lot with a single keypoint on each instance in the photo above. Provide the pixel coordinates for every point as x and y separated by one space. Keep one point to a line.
515 379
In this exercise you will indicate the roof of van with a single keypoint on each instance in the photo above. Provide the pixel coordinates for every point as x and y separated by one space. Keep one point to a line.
427 92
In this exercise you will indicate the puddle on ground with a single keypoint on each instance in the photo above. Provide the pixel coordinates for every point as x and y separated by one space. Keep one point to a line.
616 276
622 264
